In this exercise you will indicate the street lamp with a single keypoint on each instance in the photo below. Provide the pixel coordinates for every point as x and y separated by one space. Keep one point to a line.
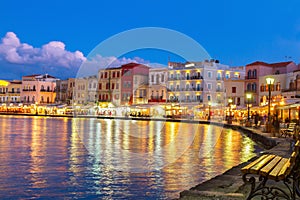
270 81
248 96
209 107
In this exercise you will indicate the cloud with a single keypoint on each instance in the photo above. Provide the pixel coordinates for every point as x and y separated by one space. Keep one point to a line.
18 59
51 54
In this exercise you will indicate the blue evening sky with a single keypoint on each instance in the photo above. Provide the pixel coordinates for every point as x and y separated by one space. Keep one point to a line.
234 32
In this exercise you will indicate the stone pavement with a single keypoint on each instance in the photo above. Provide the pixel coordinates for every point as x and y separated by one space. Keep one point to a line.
230 185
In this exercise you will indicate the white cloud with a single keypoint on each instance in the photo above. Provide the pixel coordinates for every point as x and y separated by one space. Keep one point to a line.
53 58
52 54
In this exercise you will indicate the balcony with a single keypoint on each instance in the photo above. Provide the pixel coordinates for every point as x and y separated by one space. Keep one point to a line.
15 92
156 100
250 77
185 89
43 90
29 90
250 91
219 78
219 90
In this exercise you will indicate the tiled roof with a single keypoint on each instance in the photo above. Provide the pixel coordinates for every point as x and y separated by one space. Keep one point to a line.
133 65
279 64
34 75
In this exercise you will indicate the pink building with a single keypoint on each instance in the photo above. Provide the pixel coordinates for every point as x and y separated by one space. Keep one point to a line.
133 83
257 69
38 89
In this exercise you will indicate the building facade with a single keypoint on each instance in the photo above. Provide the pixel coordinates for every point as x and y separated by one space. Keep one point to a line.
133 84
38 89
254 84
10 91
61 91
109 86
157 92
80 92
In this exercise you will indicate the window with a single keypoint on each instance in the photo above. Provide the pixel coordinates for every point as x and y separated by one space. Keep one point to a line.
152 78
135 80
262 88
100 86
162 78
187 86
187 76
249 87
227 75
105 75
209 74
209 86
157 79
254 73
117 86
118 74
278 87
249 74
233 89
208 97
112 86
238 101
254 87
113 74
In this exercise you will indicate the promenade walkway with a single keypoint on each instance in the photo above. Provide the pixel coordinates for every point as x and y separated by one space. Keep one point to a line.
230 185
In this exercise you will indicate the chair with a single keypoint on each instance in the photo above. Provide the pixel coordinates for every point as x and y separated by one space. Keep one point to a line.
288 131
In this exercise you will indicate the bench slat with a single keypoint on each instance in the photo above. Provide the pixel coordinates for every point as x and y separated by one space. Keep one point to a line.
268 167
275 172
284 170
255 169
246 169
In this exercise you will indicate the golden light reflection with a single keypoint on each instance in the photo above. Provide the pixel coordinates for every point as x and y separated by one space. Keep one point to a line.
113 142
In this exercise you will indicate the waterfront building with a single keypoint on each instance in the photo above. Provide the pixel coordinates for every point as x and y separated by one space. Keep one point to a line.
92 82
234 86
70 90
109 87
10 91
38 89
258 87
61 91
80 92
157 85
198 86
277 89
134 83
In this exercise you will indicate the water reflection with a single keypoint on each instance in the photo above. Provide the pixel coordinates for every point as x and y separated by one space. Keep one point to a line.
92 158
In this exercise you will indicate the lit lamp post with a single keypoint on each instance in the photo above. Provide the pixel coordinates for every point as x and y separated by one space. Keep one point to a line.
248 96
209 107
270 81
229 117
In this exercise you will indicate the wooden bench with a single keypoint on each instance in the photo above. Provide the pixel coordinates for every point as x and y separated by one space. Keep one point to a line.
274 168
288 131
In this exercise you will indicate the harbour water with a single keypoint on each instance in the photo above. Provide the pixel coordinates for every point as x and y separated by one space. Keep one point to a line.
73 158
